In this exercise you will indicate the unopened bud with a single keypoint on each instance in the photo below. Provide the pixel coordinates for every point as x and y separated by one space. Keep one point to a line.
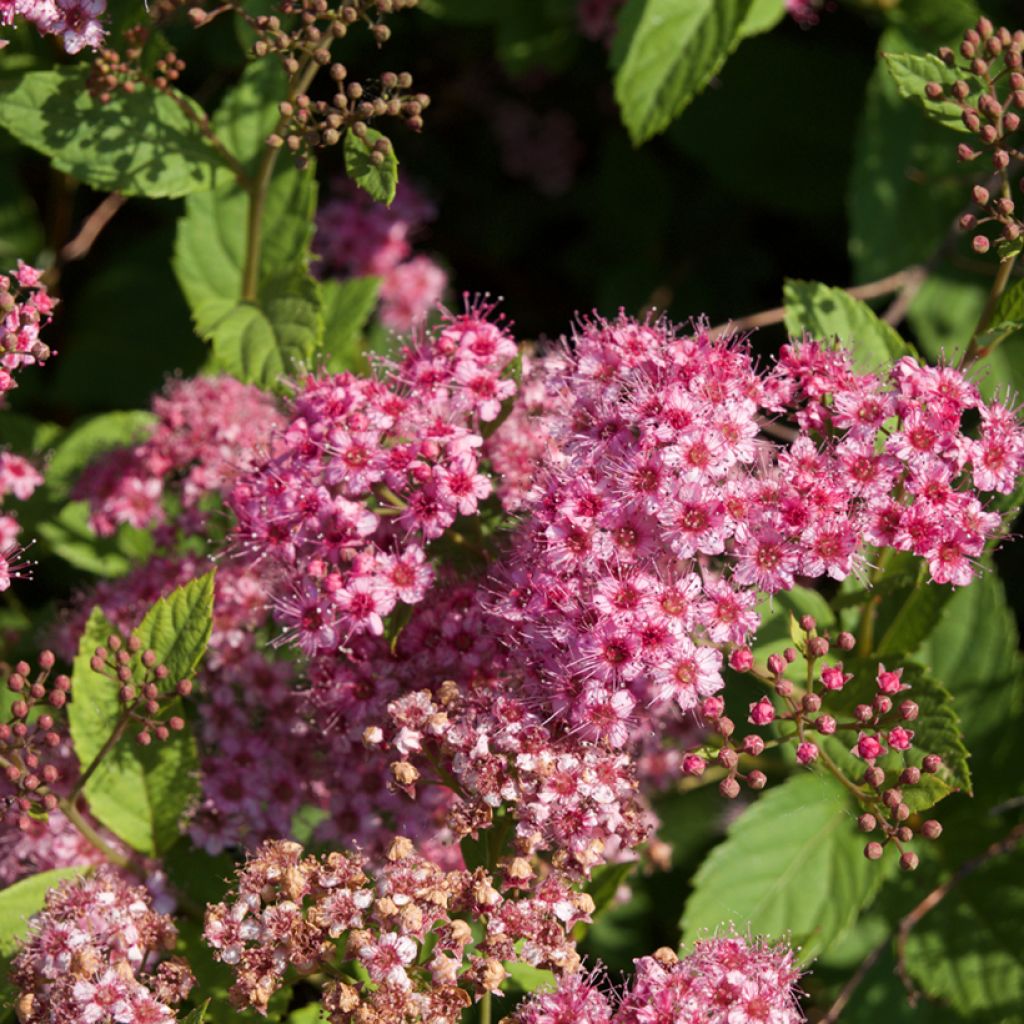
874 851
757 779
909 860
867 823
931 829
729 788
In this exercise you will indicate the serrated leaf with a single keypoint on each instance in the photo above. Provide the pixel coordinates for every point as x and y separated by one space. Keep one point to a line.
967 951
791 866
833 313
912 72
348 306
90 439
261 344
138 144
177 627
378 180
140 793
676 48
18 902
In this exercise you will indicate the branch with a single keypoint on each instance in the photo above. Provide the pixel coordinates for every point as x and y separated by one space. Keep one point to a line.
913 274
80 245
912 919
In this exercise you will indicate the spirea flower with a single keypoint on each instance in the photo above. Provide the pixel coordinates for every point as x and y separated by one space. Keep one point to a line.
96 953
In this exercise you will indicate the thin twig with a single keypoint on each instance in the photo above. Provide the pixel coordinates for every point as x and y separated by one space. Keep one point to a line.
907 923
1005 845
91 228
872 290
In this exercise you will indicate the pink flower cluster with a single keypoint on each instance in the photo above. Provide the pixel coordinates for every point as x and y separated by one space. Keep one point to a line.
77 22
576 799
660 515
208 431
356 236
91 957
407 927
723 981
366 473
25 309
18 478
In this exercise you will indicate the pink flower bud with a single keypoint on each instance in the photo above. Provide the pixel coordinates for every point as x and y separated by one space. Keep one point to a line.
931 829
834 678
931 764
900 738
806 753
762 712
908 711
753 745
874 851
712 707
868 747
890 682
757 779
729 788
776 664
694 764
826 725
741 659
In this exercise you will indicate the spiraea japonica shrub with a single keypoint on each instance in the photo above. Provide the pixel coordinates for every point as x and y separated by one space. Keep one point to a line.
377 650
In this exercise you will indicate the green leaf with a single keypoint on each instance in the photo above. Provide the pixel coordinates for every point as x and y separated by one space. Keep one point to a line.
907 614
906 184
197 1016
248 113
92 438
210 244
18 902
974 650
177 627
912 72
792 865
348 306
138 144
967 951
605 882
140 793
833 313
25 435
677 47
262 345
763 16
70 537
379 181
523 977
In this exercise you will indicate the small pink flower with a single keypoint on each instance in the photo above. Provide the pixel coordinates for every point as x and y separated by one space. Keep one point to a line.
900 738
868 747
890 682
806 753
761 712
834 678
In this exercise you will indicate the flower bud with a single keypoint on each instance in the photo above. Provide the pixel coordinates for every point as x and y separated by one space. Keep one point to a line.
694 764
867 823
784 688
811 702
741 659
931 764
727 758
910 776
874 851
776 664
933 91
757 779
931 829
980 244
806 753
908 710
790 654
846 641
729 788
753 745
909 860
817 647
